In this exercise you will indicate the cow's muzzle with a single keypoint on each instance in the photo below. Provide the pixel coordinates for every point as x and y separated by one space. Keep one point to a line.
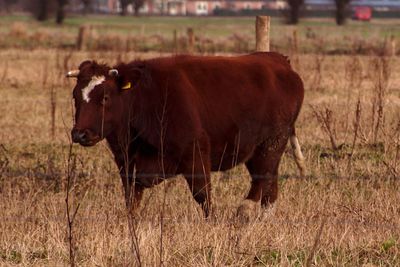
84 137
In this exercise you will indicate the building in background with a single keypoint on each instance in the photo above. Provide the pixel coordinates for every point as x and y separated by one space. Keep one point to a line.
210 7
187 7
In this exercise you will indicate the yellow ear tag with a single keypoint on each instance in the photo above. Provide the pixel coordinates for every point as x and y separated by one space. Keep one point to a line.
127 86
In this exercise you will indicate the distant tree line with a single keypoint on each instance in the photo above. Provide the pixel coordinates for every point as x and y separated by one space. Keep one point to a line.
295 6
341 6
6 5
137 4
44 9
41 9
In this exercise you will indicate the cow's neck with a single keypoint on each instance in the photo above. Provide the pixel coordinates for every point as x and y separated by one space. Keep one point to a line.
120 138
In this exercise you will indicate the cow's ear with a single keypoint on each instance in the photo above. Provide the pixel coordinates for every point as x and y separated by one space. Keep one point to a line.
85 63
126 78
121 78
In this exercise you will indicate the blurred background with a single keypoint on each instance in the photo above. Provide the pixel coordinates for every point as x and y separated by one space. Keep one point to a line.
216 25
344 213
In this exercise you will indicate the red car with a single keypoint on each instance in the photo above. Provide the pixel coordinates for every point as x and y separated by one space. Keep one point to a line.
363 13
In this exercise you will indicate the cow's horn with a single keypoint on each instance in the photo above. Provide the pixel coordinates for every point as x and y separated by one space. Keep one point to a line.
113 72
72 73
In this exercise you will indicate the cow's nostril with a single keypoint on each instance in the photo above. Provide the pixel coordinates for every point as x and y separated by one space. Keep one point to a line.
82 136
79 136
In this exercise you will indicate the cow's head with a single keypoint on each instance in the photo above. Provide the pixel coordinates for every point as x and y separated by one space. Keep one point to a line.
99 105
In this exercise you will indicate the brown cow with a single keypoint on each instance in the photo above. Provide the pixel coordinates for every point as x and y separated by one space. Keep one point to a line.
191 115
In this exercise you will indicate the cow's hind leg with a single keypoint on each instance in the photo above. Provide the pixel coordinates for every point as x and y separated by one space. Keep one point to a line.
198 175
263 168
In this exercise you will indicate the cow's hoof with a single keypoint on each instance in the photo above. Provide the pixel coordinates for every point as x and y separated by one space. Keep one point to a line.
248 211
268 211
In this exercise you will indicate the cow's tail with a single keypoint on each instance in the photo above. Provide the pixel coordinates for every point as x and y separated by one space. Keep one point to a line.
298 155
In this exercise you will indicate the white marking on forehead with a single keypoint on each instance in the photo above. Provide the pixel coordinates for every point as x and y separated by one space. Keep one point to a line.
96 80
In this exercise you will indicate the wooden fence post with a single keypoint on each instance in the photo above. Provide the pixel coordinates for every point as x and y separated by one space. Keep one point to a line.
393 45
262 33
295 42
83 35
175 41
190 44
294 50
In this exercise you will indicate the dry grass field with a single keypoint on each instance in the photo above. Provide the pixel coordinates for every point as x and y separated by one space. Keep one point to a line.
344 213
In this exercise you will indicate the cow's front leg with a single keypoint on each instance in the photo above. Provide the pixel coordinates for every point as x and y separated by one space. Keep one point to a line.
133 190
126 165
125 150
200 186
197 173
127 173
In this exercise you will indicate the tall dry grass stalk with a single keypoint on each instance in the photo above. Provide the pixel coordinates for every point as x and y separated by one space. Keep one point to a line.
356 127
4 161
353 82
380 74
4 73
71 215
294 50
326 119
53 106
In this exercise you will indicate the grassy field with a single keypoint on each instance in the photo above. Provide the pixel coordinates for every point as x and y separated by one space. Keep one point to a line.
213 34
210 26
344 213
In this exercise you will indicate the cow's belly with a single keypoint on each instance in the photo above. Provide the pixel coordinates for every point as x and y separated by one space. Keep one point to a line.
236 146
229 156
233 141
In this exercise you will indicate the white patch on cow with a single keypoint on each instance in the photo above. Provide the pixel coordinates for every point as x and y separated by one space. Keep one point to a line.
96 80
